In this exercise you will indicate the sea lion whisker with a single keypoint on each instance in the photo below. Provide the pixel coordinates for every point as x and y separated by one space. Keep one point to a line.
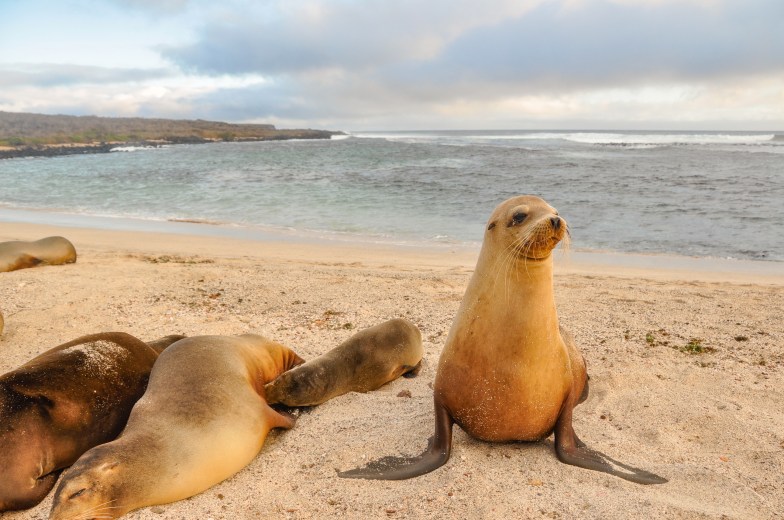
96 509
91 515
512 257
504 261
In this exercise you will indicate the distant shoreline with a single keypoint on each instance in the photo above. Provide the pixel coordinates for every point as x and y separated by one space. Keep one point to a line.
60 149
41 135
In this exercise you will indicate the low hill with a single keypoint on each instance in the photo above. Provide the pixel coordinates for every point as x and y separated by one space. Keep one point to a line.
39 134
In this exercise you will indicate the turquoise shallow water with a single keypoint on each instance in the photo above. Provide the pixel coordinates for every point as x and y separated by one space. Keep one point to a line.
701 194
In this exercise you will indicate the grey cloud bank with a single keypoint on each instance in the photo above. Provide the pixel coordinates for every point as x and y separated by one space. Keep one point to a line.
448 64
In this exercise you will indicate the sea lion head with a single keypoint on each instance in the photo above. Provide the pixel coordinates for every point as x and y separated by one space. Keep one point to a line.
93 488
527 227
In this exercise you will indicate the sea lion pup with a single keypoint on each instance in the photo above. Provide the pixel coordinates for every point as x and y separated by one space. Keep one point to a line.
62 403
508 372
47 251
202 419
366 361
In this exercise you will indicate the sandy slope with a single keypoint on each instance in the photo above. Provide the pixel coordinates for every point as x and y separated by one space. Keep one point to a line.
712 422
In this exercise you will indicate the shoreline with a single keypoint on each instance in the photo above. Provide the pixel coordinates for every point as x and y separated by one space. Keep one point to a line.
62 149
168 236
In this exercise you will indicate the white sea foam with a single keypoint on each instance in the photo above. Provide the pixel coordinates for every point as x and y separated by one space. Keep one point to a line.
601 138
658 139
132 148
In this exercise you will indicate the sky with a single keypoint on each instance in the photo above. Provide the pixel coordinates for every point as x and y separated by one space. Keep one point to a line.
358 65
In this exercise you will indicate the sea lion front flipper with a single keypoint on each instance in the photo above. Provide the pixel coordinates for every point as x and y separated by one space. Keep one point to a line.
571 450
438 450
412 371
28 496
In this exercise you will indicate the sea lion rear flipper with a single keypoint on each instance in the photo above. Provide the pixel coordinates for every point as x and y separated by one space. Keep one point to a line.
159 345
412 371
571 450
438 450
24 261
280 418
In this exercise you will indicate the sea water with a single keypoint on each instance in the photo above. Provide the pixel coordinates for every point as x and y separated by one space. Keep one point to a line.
714 194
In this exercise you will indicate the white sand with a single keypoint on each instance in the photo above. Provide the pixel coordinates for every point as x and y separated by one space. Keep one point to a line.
712 423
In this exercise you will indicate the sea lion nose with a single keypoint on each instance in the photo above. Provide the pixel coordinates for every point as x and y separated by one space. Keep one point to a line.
555 222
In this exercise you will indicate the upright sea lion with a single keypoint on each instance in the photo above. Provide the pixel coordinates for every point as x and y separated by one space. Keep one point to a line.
47 251
202 419
367 360
508 371
62 403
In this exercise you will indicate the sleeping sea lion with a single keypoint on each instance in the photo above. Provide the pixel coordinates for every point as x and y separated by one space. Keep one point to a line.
202 419
366 361
47 251
508 371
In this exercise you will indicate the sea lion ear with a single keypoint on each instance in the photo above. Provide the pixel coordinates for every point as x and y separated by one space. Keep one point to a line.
491 226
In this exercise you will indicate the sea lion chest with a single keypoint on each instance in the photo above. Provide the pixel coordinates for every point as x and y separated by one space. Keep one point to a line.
505 371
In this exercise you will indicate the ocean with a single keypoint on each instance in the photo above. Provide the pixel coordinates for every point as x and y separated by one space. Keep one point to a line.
704 194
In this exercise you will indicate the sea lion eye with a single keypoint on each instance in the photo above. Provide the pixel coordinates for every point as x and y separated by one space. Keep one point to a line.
517 218
77 493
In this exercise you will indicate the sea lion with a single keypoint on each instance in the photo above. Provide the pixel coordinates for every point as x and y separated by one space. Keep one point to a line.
508 371
202 419
47 251
366 361
62 403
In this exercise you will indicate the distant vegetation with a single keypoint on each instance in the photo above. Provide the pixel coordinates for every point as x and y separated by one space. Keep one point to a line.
38 130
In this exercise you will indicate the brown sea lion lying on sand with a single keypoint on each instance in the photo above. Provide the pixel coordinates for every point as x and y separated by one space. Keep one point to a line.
62 403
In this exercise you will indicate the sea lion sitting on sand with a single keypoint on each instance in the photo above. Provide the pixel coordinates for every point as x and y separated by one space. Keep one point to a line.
47 251
366 361
508 371
62 403
202 419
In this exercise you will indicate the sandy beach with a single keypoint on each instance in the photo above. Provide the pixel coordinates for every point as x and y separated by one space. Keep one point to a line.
686 361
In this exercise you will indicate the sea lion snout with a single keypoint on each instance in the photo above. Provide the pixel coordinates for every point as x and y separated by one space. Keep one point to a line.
556 222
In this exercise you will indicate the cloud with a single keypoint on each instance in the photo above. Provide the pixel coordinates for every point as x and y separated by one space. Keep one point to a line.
537 43
307 36
363 64
376 62
604 43
52 75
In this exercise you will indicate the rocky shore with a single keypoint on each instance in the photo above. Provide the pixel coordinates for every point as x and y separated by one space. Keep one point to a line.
53 150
